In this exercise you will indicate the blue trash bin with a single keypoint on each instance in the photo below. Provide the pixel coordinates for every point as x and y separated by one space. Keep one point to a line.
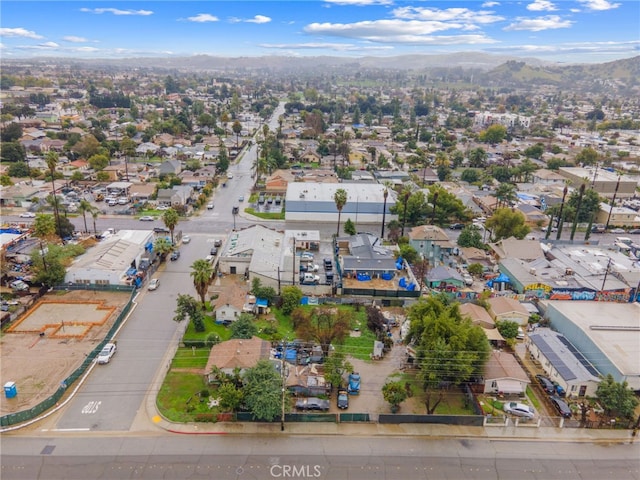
10 389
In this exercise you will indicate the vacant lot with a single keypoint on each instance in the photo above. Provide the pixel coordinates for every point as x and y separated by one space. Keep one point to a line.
52 340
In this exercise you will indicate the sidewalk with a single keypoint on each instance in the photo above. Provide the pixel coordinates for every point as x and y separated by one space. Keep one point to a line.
497 432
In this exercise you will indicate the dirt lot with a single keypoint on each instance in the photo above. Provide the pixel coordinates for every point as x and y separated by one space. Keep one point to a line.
51 341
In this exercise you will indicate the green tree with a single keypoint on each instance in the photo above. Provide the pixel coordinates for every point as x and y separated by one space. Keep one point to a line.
340 198
98 162
336 366
470 236
349 227
616 398
583 210
394 393
162 246
201 272
262 389
5 180
170 219
475 269
11 133
87 146
77 176
13 152
291 297
244 327
587 156
237 128
187 306
230 397
260 291
494 134
84 206
450 349
507 329
534 151
19 169
323 325
48 265
470 175
505 193
478 158
505 223
409 253
52 161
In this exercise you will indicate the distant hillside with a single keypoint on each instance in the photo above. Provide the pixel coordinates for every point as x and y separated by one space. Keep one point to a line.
620 76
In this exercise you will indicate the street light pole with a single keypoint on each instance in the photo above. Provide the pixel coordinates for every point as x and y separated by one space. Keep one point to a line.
384 211
404 214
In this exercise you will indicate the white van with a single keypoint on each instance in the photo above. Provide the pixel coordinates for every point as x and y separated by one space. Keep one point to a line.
309 279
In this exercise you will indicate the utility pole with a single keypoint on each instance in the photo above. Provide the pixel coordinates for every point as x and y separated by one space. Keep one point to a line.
613 203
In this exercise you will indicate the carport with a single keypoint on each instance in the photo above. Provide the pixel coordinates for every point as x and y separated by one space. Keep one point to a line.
509 387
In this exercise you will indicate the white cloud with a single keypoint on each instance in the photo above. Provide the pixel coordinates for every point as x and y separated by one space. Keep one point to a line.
550 22
74 39
40 46
258 19
234 20
360 3
541 5
341 47
203 18
87 49
446 15
599 4
18 32
116 11
399 31
490 4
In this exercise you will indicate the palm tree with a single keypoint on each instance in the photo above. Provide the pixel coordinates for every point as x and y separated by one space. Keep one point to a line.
201 271
85 207
579 205
505 193
171 219
162 246
385 194
340 197
94 213
52 161
237 128
405 196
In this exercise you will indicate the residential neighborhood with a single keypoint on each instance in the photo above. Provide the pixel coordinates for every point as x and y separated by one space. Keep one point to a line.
482 239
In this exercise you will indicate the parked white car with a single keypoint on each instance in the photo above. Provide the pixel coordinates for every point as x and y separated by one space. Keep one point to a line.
27 215
519 410
106 353
154 284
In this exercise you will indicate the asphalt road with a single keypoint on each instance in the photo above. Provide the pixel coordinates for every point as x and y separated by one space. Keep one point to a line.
353 458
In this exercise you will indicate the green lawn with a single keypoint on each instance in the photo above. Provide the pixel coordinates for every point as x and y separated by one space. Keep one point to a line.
178 398
188 357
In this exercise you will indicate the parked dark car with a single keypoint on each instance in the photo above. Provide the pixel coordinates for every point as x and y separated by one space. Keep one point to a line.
214 251
343 399
561 406
175 255
456 226
328 264
312 403
546 384
217 242
161 230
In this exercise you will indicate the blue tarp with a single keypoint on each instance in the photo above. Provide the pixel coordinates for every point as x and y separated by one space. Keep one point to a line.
403 282
502 278
262 302
387 276
364 277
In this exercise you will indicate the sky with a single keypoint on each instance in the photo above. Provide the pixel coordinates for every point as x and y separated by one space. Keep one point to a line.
569 31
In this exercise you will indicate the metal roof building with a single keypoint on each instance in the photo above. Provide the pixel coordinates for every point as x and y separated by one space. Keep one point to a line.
606 333
306 201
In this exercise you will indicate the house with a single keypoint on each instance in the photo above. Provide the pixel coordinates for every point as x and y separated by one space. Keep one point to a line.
547 177
310 156
617 216
237 353
432 243
444 278
18 195
178 196
307 381
533 215
478 315
278 181
508 309
147 148
503 375
513 248
141 192
563 363
471 255
231 303
170 167
362 256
